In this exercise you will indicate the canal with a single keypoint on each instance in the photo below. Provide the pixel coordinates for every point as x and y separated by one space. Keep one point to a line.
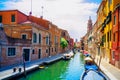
60 70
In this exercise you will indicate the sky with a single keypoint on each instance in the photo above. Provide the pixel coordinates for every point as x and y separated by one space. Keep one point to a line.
71 15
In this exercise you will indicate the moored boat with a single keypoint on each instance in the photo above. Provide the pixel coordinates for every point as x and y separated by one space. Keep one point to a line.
93 75
68 56
92 72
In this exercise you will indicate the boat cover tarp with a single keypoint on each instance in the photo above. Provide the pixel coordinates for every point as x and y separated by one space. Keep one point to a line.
94 67
92 75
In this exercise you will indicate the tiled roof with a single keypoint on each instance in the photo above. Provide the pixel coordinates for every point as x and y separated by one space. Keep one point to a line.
39 21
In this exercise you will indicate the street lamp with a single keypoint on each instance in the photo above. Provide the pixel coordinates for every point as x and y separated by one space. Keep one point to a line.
24 64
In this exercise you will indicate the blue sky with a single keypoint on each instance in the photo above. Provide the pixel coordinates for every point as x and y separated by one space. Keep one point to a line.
71 15
93 1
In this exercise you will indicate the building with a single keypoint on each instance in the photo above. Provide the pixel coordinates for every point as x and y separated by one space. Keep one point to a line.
55 35
115 57
65 34
33 37
71 43
89 25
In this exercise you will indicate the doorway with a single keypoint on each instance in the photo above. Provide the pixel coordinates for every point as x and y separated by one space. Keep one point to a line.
39 54
26 54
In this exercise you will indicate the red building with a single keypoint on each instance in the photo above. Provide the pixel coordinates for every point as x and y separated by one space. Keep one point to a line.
115 59
71 43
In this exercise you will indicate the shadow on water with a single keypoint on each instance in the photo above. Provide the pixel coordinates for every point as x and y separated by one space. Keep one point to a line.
61 70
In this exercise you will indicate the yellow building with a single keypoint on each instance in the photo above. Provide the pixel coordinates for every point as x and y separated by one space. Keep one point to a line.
107 28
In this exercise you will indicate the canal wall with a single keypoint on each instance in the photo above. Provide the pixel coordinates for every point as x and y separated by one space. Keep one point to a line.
8 74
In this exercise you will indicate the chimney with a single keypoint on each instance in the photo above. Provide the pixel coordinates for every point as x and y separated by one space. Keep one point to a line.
30 14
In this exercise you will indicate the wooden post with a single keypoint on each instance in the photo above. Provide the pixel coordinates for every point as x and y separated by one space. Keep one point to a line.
24 64
100 61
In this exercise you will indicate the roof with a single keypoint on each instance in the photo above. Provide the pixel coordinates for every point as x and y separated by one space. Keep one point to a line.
13 10
39 21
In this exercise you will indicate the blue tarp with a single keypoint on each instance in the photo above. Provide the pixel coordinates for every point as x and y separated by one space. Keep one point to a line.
94 67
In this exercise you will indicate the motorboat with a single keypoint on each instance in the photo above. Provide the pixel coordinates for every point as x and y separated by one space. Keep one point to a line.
67 56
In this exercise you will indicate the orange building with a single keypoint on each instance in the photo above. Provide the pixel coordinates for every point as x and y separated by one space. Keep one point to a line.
34 37
55 35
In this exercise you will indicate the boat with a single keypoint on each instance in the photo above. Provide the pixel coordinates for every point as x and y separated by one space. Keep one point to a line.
68 56
89 64
92 72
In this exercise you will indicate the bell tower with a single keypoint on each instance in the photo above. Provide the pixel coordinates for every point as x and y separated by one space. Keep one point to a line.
89 24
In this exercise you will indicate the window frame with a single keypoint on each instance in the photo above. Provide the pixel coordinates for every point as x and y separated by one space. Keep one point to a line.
34 38
13 19
114 20
40 38
13 54
23 35
0 18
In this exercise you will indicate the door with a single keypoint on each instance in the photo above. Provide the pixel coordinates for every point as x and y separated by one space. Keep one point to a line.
49 51
39 54
26 54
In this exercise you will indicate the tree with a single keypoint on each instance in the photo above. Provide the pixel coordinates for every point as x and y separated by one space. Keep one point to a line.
63 43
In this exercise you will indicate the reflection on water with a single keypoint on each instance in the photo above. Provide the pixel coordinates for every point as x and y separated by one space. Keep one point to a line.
61 70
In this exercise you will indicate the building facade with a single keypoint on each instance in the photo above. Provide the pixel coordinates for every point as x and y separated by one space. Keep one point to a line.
115 60
33 37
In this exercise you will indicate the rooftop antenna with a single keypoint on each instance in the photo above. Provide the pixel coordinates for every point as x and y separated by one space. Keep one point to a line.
31 8
42 12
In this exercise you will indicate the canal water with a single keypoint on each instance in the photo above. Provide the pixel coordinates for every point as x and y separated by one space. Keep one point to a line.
60 70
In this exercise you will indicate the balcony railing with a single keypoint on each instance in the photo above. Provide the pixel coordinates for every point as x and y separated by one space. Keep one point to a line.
17 40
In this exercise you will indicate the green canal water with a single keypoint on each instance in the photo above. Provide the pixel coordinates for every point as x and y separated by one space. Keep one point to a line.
60 70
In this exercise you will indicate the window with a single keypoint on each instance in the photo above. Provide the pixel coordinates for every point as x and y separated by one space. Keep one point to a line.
34 38
46 50
13 18
52 49
47 40
11 51
0 19
114 37
110 34
33 51
105 38
109 3
24 36
113 54
119 14
114 22
40 38
119 35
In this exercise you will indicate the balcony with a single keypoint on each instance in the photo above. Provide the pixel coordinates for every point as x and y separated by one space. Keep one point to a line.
20 41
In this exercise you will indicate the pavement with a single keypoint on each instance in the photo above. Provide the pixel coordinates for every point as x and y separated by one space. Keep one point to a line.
7 72
111 71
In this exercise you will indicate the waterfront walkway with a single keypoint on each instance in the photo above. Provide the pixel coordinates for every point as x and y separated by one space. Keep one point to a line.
7 72
111 71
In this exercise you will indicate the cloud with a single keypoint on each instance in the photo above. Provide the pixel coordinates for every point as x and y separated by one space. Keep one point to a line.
71 15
